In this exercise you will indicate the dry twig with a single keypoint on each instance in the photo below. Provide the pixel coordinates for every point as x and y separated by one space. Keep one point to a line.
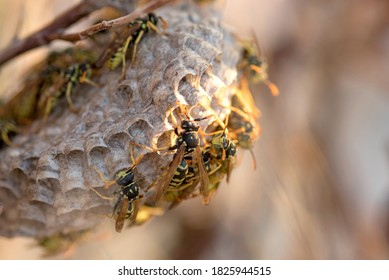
50 32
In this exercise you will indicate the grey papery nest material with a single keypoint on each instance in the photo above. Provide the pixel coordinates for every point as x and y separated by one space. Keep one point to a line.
45 181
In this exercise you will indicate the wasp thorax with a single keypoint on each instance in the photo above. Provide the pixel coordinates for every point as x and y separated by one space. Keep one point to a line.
189 126
191 140
131 191
224 142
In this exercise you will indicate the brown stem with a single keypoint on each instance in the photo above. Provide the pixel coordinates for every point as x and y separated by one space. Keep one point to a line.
47 34
40 37
104 25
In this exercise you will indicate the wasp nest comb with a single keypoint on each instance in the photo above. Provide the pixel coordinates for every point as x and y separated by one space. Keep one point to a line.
46 179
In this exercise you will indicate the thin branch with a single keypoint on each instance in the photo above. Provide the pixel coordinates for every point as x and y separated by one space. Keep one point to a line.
39 38
104 25
50 32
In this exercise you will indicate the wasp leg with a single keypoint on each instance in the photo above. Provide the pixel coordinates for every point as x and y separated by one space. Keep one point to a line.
99 194
5 138
107 183
240 112
152 26
6 128
155 149
207 106
50 103
84 79
124 52
69 89
140 35
135 162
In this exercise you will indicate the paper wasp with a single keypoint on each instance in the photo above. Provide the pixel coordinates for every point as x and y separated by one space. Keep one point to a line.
243 125
127 204
218 156
221 147
187 147
221 169
254 66
134 33
46 83
64 84
189 183
66 70
222 153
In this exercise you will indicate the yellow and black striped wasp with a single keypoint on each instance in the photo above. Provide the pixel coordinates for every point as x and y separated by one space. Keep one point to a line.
217 170
218 157
46 83
67 69
128 196
64 84
133 34
187 147
243 125
254 66
127 205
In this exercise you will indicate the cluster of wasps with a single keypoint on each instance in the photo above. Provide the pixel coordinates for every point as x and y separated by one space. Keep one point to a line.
46 84
197 168
201 160
63 71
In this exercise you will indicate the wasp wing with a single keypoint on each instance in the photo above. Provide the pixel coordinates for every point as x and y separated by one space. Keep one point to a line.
170 173
204 180
121 209
228 168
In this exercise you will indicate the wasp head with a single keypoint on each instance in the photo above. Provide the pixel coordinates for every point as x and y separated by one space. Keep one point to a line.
153 18
189 126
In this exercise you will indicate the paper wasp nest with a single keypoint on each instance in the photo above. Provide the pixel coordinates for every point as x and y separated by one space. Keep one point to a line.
45 180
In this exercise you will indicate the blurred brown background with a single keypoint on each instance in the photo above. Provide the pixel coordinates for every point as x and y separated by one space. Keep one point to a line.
321 188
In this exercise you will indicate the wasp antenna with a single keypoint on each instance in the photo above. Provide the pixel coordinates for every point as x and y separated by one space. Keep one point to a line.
183 110
174 120
226 122
99 194
164 23
254 160
132 153
134 161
